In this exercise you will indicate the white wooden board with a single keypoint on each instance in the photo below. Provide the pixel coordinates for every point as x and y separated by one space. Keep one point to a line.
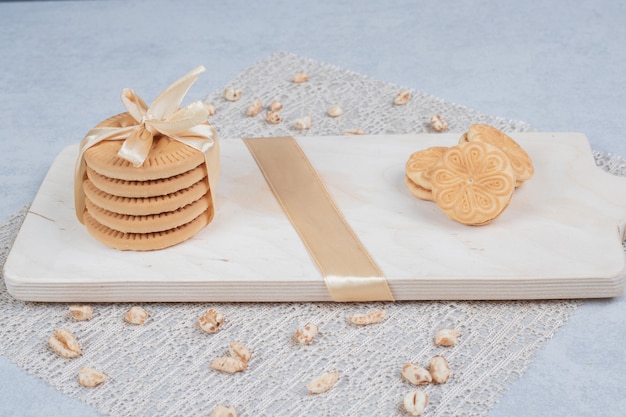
560 237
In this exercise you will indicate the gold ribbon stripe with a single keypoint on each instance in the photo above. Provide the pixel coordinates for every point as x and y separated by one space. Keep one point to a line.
349 272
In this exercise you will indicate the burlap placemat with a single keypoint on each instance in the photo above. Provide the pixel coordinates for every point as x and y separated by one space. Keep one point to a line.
162 367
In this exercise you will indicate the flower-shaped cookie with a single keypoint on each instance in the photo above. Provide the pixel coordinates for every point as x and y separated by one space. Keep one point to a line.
521 162
420 163
417 190
473 182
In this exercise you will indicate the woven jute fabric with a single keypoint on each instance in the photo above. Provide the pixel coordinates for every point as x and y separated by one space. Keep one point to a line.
162 368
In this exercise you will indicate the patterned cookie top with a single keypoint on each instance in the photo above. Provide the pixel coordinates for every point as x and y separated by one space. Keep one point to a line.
418 167
520 161
473 182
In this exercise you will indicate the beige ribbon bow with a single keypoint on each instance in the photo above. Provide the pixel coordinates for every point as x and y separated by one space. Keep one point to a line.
163 117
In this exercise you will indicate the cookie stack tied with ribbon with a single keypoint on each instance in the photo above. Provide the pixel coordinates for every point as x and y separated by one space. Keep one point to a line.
145 179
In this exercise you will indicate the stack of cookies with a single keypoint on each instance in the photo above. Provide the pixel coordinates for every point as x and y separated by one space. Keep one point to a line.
159 204
472 182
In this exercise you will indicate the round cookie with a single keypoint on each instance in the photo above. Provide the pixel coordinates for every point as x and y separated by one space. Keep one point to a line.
417 190
148 205
145 241
147 224
420 163
150 188
473 182
520 161
167 157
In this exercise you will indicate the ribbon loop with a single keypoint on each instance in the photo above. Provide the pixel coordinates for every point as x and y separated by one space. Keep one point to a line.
166 104
134 104
136 146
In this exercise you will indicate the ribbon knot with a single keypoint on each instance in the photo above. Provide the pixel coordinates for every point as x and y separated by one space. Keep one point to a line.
146 118
163 117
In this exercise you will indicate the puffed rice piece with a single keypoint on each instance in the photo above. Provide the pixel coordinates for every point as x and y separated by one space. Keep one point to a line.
323 383
211 321
334 111
415 374
354 132
239 351
64 343
300 77
232 94
438 123
305 335
415 402
446 337
371 317
228 364
273 117
402 98
81 313
254 109
136 315
303 123
275 106
439 369
89 377
224 411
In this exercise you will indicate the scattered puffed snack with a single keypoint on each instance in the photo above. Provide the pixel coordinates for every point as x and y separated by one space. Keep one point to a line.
415 374
300 77
323 383
447 337
239 351
275 106
254 109
210 108
81 313
402 98
415 402
224 411
439 369
371 317
236 362
273 117
64 343
303 123
228 364
305 335
211 321
232 94
438 123
334 111
136 315
354 132
89 377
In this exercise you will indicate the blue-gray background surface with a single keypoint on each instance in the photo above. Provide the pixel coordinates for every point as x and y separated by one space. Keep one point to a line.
558 65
